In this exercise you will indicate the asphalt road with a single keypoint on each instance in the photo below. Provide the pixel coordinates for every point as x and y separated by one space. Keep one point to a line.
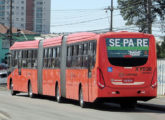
21 107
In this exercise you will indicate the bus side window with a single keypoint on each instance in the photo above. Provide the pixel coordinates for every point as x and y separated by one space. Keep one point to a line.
94 54
20 59
16 58
90 54
53 58
34 58
13 58
74 56
69 49
29 58
80 55
26 57
45 58
23 58
49 57
58 57
90 51
85 55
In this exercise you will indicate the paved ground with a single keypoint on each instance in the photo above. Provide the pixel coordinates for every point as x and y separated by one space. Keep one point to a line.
157 103
21 107
3 87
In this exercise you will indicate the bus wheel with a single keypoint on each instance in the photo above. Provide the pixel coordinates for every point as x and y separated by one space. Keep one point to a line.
58 97
30 92
81 99
11 89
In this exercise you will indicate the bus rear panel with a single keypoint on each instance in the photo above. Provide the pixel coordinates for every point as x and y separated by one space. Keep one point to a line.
127 66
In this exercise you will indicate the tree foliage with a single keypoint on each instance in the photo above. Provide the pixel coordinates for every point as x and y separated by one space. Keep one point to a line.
135 12
161 49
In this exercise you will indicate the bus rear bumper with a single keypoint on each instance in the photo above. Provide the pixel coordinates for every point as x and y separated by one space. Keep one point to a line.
143 94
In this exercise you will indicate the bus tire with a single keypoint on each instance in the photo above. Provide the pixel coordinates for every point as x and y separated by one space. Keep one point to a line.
82 103
58 97
11 89
30 92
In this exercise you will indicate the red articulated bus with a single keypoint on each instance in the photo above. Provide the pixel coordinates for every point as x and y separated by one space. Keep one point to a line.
115 67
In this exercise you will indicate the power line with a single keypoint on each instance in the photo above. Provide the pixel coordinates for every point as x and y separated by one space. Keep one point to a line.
75 10
86 21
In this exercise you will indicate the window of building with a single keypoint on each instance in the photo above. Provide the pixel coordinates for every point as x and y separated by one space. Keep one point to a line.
39 3
22 25
17 19
5 44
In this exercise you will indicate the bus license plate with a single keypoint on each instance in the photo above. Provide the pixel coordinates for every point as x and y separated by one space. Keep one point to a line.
128 80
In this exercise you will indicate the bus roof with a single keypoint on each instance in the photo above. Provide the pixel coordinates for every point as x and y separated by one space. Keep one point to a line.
25 45
126 34
83 36
71 38
52 41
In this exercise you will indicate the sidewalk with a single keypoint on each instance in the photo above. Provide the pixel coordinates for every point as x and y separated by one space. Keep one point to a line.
3 87
156 103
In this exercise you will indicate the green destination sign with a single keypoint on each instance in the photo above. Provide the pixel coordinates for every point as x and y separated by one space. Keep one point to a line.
121 47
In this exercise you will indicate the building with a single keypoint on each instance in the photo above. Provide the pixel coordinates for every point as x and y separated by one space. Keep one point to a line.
2 11
22 35
33 15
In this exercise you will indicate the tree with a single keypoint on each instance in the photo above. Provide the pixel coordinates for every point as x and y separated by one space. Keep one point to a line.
158 47
161 49
135 12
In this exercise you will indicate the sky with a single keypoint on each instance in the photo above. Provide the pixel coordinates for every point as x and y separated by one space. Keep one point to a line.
82 15
86 15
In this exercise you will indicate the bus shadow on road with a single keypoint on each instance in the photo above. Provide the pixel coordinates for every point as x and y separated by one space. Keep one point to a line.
109 107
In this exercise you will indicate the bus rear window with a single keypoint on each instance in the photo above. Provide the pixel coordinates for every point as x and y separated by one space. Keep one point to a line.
127 52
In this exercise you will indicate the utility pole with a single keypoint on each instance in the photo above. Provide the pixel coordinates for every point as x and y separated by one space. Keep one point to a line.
111 17
111 9
149 22
10 30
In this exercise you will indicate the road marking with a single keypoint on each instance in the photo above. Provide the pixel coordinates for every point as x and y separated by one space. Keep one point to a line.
3 117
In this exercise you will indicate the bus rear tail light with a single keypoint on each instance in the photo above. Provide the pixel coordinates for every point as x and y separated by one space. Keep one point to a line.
100 78
154 79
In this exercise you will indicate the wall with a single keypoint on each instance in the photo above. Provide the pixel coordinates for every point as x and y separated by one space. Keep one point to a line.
2 51
42 16
161 76
19 13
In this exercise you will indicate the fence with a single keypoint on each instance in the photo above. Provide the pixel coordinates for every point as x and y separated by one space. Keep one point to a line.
161 76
